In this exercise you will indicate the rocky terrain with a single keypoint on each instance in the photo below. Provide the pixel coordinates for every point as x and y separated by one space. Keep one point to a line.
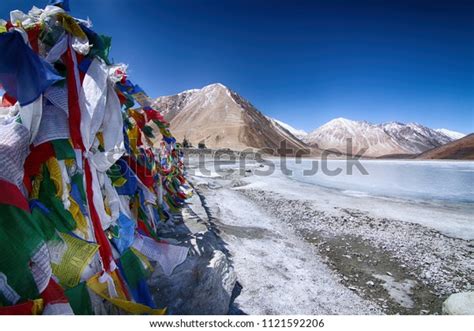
205 283
374 254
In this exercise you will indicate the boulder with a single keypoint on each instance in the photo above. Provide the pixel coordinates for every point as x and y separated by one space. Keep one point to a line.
201 285
459 304
204 283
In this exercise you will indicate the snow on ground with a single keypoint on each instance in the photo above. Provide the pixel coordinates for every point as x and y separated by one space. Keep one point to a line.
399 291
280 273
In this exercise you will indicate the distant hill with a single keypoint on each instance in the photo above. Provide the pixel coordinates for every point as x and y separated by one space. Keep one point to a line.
378 139
461 149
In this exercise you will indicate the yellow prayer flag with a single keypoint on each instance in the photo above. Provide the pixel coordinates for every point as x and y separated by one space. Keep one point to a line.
69 257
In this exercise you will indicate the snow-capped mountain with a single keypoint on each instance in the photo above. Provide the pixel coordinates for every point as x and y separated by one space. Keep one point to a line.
296 132
334 135
451 134
221 118
377 139
414 137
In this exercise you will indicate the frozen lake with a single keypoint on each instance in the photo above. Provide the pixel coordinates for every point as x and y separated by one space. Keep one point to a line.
436 194
428 181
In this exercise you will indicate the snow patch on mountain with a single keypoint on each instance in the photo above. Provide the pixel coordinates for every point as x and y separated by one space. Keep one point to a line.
451 134
296 132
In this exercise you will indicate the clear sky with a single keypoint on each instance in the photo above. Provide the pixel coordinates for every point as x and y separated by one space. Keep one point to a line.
303 62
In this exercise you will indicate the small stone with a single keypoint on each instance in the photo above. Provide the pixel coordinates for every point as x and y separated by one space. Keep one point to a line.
389 273
370 283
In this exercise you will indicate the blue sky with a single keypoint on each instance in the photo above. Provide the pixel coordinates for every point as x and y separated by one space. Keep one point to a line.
303 62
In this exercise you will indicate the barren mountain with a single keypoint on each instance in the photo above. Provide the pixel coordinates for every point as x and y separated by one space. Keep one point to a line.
461 149
377 140
221 118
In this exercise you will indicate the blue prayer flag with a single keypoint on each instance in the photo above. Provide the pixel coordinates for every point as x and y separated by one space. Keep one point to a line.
23 74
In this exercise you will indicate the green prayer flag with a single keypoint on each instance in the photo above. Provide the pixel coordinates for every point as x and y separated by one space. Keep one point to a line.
19 241
79 299
132 268
63 149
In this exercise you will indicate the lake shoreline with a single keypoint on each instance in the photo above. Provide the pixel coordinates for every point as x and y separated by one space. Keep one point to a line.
374 256
253 154
391 266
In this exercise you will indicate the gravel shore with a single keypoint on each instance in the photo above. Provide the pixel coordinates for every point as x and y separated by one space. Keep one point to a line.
376 256
378 264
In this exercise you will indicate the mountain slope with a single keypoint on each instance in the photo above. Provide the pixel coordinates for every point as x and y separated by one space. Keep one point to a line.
461 149
300 134
451 134
415 138
377 140
222 119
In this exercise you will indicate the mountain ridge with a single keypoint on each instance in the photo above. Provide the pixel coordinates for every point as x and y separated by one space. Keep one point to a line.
376 139
296 132
221 118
